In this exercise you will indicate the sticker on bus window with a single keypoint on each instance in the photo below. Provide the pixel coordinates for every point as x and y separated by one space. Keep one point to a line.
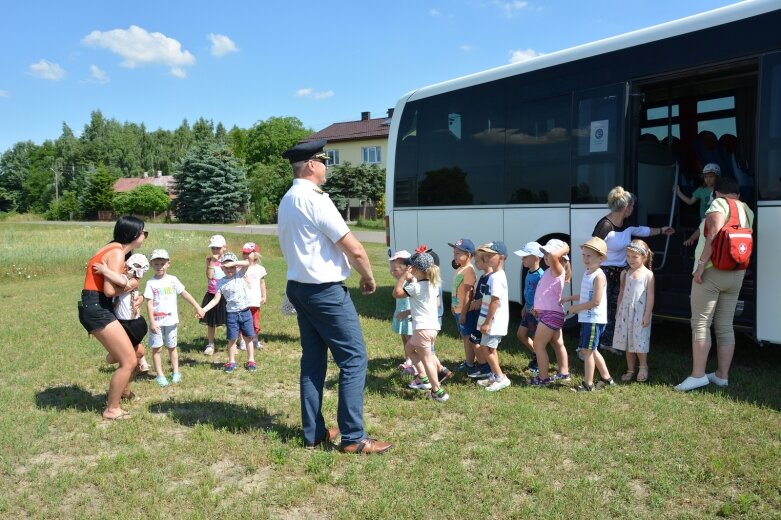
598 142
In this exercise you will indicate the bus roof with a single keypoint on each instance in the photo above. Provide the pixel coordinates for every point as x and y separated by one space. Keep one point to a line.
719 16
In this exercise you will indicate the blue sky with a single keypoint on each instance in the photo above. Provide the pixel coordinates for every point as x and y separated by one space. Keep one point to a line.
158 62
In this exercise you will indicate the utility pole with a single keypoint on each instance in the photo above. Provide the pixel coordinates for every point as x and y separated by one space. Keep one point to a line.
56 183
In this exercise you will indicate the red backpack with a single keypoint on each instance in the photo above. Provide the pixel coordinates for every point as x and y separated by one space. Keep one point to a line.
733 244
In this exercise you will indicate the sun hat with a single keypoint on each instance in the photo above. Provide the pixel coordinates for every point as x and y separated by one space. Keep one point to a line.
464 244
159 253
421 261
217 241
228 257
249 247
531 248
495 247
402 254
596 244
138 265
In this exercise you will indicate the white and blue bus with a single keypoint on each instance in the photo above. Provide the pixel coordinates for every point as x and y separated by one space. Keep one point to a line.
529 151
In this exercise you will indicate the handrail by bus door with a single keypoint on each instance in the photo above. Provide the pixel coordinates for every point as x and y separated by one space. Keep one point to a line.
669 223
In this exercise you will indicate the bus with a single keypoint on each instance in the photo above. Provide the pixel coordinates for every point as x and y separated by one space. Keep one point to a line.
529 151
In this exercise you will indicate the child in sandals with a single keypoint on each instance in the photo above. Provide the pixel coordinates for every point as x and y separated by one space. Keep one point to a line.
635 305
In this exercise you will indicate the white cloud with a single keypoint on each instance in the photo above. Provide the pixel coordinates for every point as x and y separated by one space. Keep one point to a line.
433 12
97 75
221 44
139 47
466 47
47 70
4 93
510 8
310 92
520 55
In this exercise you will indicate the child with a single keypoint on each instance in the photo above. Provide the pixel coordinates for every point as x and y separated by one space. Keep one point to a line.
530 258
481 369
494 315
592 313
550 313
126 307
704 194
215 317
239 318
635 305
420 283
161 292
255 278
401 323
464 281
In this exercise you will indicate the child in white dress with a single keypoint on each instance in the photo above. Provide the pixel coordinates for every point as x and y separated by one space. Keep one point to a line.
635 305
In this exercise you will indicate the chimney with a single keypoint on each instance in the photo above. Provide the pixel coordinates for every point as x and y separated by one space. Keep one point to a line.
146 174
159 173
365 116
390 113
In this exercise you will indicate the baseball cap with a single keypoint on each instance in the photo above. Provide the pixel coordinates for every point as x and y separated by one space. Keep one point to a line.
159 253
217 241
712 168
402 253
531 248
495 247
249 247
228 257
464 244
553 245
422 261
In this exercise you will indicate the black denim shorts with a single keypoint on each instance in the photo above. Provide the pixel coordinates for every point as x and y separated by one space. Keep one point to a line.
96 310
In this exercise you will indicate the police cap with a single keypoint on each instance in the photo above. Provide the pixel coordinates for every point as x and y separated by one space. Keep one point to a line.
305 151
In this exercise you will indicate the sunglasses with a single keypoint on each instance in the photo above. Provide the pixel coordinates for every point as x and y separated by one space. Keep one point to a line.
145 233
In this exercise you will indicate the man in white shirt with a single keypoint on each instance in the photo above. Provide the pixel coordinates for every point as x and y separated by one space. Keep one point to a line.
320 249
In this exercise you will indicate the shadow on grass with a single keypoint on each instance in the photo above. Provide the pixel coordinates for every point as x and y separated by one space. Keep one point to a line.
70 397
232 417
199 344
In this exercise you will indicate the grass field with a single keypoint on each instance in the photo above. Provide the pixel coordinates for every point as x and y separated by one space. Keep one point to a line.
219 445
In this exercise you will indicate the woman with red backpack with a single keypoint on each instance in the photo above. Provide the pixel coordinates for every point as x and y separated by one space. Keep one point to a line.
722 254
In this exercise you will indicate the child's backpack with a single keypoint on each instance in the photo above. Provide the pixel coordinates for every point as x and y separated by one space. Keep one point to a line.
733 244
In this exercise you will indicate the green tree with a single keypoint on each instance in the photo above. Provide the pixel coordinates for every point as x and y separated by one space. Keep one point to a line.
15 164
100 190
67 208
268 139
365 182
268 182
211 185
146 199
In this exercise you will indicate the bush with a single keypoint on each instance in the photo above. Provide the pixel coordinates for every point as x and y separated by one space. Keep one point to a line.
67 208
143 200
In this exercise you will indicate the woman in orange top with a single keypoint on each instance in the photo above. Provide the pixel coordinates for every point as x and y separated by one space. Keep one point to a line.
96 309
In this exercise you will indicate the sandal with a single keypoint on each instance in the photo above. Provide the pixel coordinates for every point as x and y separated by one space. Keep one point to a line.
628 376
642 374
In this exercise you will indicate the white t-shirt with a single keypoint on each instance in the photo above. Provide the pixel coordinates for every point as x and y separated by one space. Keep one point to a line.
252 277
309 228
599 313
497 288
163 293
234 291
123 306
423 304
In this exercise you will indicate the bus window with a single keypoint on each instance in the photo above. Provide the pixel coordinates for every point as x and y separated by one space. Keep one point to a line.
768 176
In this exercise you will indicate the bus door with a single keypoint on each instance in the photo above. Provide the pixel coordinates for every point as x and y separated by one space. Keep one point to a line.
768 210
599 123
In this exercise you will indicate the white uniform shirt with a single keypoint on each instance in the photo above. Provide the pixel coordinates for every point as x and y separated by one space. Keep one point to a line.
309 227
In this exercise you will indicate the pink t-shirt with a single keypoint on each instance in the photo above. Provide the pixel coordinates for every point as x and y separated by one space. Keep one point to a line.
549 291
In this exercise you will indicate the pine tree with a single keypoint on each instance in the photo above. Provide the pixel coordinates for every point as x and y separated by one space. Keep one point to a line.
211 185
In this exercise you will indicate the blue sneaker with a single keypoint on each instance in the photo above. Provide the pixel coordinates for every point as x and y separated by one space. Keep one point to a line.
176 377
561 377
541 383
533 364
463 367
480 372
229 367
162 381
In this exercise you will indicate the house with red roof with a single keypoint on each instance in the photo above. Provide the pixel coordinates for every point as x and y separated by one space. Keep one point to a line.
357 142
128 184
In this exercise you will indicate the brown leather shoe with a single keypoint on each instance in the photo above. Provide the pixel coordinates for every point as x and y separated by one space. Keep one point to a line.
330 435
366 447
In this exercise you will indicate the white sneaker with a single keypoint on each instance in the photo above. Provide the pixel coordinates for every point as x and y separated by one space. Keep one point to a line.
209 350
258 345
499 384
487 381
417 384
691 383
716 380
439 398
242 345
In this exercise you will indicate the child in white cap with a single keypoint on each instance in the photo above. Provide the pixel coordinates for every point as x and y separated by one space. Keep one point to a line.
530 254
401 322
704 194
216 316
161 294
255 278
